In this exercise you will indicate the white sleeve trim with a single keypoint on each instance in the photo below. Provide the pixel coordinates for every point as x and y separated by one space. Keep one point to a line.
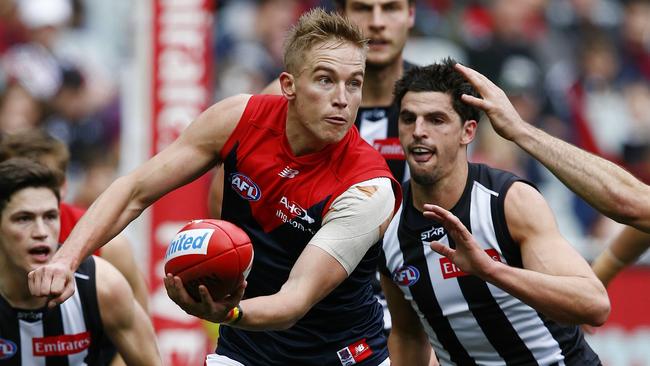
352 224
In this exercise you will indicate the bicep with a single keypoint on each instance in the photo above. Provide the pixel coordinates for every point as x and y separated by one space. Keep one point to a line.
532 225
194 152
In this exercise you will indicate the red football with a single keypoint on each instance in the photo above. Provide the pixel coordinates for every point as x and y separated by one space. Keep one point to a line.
215 253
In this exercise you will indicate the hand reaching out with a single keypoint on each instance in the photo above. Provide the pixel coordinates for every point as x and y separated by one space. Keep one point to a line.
468 255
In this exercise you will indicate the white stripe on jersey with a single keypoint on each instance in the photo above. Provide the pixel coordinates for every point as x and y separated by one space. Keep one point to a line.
455 308
73 323
373 130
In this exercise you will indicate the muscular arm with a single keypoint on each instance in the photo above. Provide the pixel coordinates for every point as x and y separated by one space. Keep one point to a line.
125 322
555 279
626 248
407 342
119 253
604 185
189 156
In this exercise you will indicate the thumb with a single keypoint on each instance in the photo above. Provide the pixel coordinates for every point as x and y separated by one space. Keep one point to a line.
441 249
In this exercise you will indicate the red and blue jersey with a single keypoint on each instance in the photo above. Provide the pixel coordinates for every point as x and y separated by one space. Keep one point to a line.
280 199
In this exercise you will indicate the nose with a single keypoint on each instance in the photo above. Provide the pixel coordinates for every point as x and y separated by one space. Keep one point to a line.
40 230
377 22
419 128
340 96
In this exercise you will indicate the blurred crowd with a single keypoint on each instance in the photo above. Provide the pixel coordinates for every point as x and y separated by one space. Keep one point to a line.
580 69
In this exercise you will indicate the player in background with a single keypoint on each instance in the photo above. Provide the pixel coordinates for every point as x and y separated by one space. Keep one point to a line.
39 146
511 289
316 200
47 150
74 331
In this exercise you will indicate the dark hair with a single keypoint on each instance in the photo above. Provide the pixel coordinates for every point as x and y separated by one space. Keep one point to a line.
21 173
340 4
439 77
36 145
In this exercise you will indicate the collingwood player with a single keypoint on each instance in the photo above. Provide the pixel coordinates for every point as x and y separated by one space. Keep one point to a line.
73 332
509 289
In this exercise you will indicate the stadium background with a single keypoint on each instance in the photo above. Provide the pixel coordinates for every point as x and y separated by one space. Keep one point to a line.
120 79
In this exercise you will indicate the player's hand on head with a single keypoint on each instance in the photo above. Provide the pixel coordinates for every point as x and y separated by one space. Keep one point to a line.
494 102
53 280
207 308
468 254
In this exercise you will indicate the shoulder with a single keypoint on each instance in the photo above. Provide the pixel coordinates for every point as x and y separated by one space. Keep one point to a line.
114 291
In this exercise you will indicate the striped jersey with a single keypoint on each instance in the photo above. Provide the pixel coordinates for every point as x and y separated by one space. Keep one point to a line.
70 334
279 200
467 320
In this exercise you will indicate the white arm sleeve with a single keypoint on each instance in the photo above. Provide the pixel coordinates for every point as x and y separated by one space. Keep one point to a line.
352 224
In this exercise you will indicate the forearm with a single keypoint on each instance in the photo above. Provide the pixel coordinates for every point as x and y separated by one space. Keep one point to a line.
408 349
565 299
603 184
273 312
106 217
628 246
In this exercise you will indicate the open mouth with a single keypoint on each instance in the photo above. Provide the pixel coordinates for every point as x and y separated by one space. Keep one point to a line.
421 154
41 253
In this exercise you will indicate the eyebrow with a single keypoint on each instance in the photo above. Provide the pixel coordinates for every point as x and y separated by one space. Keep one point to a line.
332 71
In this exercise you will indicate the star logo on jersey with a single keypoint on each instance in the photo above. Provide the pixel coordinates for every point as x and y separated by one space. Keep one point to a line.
7 349
433 234
289 173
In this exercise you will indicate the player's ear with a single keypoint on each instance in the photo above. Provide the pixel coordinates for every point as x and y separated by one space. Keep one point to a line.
469 131
287 85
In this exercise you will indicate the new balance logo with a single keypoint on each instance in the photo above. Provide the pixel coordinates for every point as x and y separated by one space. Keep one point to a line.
288 173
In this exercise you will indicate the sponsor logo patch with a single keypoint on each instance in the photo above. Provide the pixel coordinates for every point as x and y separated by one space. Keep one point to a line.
450 270
193 241
61 345
245 187
406 276
287 172
354 353
7 349
389 148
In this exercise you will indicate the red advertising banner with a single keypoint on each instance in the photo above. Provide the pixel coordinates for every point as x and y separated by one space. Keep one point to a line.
624 340
181 89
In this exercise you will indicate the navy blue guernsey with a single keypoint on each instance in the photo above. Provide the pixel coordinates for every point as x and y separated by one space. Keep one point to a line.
280 200
467 320
60 336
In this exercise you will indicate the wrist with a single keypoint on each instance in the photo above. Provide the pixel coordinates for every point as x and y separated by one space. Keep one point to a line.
234 316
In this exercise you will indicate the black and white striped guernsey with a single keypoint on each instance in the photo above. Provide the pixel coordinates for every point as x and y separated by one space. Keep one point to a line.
70 334
467 320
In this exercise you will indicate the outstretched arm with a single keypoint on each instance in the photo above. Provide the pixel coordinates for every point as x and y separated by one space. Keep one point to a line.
626 248
191 155
555 279
125 322
603 184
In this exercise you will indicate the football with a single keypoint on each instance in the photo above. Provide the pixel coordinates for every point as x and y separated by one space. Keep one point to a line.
215 253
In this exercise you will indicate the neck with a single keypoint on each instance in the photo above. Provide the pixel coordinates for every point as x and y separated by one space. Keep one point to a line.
379 82
15 289
445 192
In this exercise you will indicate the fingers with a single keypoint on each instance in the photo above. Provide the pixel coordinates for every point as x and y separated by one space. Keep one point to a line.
176 290
452 224
441 249
50 281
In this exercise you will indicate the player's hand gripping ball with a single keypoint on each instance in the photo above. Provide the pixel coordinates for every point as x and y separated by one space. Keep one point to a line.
214 253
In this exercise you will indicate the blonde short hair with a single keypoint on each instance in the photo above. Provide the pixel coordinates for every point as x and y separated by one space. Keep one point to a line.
318 26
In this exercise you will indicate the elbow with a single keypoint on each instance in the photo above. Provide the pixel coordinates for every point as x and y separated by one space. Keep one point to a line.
598 312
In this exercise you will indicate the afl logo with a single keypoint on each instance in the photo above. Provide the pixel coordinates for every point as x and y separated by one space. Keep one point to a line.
7 349
406 276
245 187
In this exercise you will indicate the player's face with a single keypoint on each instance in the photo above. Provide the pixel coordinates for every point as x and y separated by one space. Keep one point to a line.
29 228
328 92
432 135
386 23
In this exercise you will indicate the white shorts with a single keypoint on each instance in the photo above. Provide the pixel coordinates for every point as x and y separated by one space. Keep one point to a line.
218 360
